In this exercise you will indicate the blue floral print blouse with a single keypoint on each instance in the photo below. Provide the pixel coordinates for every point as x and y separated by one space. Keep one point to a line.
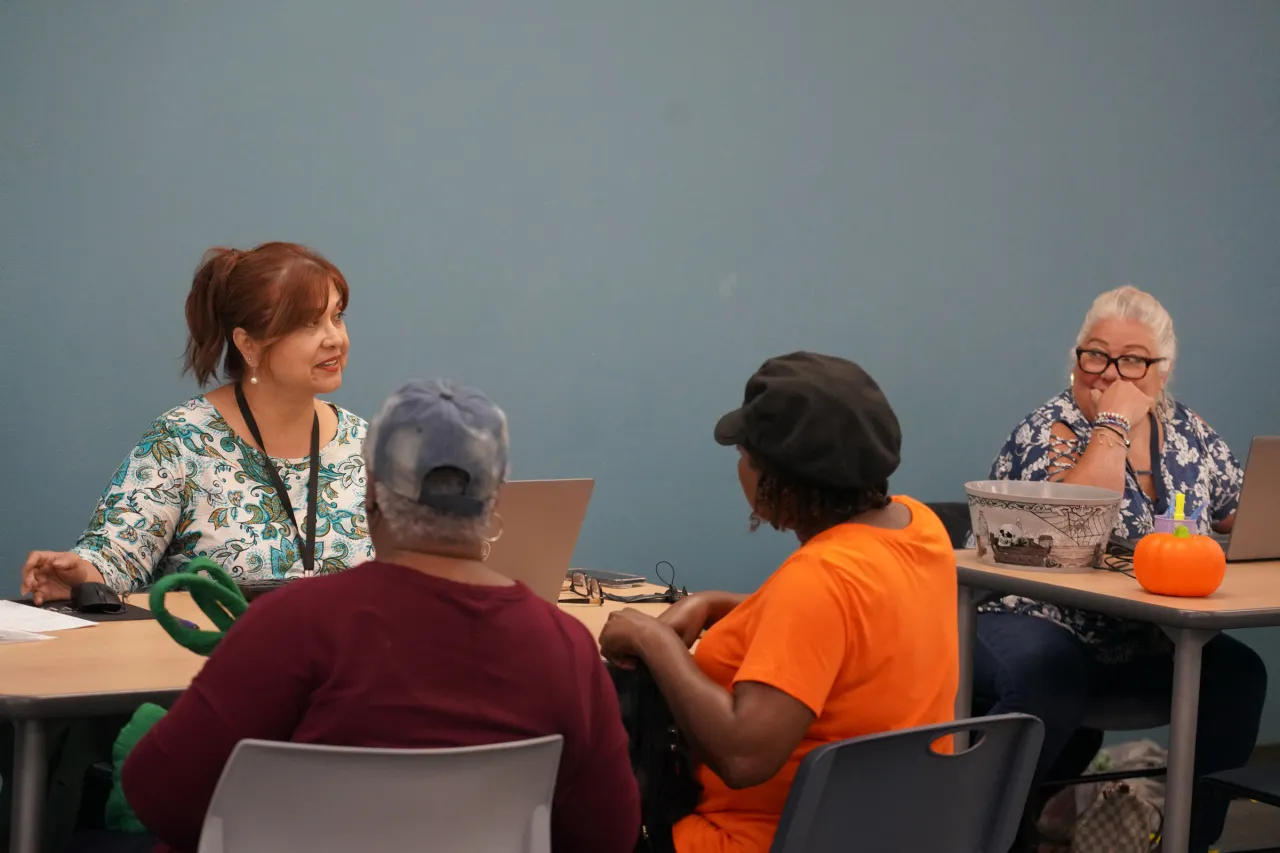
1195 460
192 488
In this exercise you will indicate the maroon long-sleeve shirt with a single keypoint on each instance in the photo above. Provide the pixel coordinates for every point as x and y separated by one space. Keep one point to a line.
384 656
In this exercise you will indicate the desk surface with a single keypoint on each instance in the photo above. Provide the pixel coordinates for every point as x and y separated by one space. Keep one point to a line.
1248 598
114 666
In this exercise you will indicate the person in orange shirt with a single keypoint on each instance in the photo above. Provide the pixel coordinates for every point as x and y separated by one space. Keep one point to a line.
854 634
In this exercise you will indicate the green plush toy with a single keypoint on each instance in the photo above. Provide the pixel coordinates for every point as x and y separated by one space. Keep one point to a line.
222 601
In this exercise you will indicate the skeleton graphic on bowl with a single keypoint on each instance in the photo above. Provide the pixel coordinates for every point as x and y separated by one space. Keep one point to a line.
1060 531
1011 544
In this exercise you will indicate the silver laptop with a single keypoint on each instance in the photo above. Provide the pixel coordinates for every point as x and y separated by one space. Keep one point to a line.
1256 532
541 520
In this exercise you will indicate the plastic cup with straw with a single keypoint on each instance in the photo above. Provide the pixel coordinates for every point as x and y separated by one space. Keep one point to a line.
1178 520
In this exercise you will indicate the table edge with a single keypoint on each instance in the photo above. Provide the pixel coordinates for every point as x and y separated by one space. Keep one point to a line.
1169 615
26 707
105 703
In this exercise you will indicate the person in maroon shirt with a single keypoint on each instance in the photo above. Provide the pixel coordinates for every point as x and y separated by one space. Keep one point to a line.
423 647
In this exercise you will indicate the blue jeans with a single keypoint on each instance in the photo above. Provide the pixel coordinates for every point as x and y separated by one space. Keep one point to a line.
1025 664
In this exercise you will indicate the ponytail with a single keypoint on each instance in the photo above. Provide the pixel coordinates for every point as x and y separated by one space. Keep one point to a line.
208 336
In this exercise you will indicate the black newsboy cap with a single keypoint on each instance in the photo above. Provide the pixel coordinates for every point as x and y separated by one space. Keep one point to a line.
818 418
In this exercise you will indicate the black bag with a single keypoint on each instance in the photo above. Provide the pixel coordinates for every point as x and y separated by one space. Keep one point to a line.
660 758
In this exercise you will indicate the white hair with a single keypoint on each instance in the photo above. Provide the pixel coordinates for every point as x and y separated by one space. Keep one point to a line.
414 527
1129 303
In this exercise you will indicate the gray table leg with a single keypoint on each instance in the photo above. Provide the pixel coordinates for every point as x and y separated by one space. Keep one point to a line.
967 622
30 778
1185 710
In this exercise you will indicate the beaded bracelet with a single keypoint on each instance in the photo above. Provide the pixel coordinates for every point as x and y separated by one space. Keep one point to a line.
1111 419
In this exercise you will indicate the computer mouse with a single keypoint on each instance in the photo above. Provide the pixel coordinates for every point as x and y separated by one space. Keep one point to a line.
95 598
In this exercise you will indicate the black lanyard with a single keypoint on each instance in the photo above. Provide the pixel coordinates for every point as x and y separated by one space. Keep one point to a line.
1161 502
1157 466
307 547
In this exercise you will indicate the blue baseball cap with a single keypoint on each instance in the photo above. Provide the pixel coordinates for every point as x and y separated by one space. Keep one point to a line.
427 427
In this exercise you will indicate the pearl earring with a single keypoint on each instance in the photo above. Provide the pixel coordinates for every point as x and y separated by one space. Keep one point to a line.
253 378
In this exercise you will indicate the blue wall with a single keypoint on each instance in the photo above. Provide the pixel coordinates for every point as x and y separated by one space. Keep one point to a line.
608 213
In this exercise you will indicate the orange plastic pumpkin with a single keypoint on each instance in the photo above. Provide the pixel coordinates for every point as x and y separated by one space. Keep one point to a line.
1179 564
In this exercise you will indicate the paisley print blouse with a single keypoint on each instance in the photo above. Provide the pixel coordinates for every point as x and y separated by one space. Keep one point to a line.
192 488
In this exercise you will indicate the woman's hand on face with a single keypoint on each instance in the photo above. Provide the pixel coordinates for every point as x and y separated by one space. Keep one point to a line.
623 638
688 617
1125 399
49 575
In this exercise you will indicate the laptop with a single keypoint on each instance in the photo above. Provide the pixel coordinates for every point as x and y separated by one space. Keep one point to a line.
541 520
1256 532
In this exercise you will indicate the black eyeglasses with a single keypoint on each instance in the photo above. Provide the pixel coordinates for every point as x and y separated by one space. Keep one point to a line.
1096 362
584 588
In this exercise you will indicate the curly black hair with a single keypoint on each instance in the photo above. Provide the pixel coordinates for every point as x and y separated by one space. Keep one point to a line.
794 505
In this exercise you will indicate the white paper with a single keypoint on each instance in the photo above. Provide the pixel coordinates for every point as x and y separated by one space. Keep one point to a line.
24 617
10 635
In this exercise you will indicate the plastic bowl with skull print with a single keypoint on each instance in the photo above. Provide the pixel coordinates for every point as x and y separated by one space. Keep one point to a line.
1040 525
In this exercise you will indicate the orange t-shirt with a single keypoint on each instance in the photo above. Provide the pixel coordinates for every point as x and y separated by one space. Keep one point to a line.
860 626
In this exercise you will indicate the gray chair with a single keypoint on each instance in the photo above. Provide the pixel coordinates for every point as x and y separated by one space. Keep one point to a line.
286 797
1119 712
955 518
891 793
1258 782
1116 708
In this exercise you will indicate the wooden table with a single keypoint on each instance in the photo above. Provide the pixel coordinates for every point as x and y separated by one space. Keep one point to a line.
1248 598
112 668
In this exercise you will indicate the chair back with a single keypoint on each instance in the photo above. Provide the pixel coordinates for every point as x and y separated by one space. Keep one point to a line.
955 517
285 797
892 792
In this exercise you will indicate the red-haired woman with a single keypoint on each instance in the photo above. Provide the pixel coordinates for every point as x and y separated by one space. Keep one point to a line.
258 474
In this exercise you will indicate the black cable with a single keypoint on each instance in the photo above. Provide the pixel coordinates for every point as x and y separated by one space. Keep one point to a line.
1118 563
670 595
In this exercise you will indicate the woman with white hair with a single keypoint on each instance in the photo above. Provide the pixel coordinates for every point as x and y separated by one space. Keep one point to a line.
1117 427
